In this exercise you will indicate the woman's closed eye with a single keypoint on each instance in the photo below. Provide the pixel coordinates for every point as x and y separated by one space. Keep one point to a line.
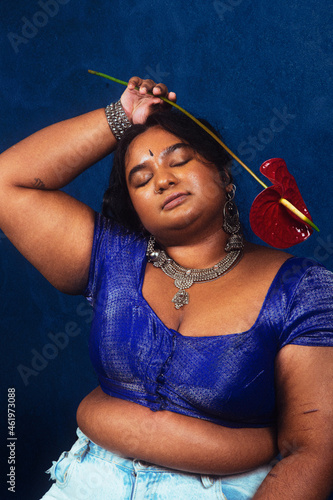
181 160
179 164
143 180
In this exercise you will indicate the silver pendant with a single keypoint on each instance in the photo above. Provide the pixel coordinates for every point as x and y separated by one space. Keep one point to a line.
181 299
184 277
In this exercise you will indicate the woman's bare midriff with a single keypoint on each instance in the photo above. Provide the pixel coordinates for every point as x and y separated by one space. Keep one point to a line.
171 439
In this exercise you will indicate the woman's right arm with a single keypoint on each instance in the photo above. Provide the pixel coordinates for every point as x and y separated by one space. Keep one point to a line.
50 228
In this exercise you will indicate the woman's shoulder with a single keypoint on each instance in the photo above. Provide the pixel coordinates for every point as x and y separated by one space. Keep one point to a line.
300 297
110 230
267 253
111 239
266 259
284 270
263 261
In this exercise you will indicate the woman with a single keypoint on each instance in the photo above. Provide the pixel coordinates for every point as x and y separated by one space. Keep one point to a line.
186 404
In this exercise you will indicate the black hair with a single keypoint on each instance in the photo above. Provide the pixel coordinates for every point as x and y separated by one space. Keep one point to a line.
117 203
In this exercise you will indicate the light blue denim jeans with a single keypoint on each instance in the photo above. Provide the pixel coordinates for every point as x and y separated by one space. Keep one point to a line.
89 472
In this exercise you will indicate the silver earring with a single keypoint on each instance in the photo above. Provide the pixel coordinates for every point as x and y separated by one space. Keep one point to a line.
152 253
231 223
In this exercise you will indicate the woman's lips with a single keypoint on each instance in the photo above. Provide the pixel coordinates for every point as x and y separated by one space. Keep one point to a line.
173 200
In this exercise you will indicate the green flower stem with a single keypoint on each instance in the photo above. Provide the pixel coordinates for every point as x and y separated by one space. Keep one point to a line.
299 214
192 118
283 201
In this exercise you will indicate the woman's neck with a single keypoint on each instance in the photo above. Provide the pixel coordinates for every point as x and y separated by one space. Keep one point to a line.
199 253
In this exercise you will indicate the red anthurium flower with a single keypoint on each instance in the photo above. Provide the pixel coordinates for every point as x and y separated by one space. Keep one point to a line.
278 214
269 217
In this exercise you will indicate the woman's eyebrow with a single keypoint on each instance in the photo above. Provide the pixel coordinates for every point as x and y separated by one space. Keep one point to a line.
167 151
173 148
135 169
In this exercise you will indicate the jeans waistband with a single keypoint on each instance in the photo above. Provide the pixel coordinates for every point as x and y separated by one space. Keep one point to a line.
85 445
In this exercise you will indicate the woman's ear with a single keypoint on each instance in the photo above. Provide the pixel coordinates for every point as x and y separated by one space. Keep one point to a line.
226 179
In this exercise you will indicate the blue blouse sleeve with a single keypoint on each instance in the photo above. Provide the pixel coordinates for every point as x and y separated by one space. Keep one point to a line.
309 318
110 238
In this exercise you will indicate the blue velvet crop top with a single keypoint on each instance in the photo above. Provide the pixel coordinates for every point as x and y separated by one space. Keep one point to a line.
226 379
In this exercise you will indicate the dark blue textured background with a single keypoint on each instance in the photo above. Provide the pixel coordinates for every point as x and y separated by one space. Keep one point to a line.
238 63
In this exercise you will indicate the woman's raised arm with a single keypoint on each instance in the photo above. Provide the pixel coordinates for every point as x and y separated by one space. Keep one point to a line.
50 228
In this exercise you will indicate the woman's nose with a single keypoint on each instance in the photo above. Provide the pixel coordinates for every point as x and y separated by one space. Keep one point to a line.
164 180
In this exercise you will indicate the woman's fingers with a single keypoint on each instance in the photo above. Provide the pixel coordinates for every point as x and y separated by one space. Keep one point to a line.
139 104
172 96
161 90
145 86
135 81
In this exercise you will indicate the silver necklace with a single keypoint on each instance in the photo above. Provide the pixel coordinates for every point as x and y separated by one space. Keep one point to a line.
185 277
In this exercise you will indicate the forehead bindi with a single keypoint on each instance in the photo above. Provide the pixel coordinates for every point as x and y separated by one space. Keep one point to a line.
154 143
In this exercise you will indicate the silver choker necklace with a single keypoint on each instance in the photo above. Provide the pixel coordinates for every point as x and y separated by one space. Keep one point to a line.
184 277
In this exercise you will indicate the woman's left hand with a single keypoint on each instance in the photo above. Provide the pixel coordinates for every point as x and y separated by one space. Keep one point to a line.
139 104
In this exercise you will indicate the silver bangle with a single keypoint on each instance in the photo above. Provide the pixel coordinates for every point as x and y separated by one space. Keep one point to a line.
117 119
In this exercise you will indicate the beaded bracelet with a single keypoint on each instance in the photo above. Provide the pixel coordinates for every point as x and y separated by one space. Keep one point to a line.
117 119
